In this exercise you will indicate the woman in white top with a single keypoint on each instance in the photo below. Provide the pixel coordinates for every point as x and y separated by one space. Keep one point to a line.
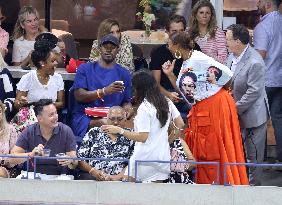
26 29
154 114
42 83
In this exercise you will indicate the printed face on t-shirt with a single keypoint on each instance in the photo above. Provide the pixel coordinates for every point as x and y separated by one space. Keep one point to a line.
213 73
188 86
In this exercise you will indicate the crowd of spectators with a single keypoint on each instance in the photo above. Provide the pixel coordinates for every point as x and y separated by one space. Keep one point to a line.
195 103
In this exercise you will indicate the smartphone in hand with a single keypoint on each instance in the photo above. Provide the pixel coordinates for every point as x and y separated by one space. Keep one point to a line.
119 82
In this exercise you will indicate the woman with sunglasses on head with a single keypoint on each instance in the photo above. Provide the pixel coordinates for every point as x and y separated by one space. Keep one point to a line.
8 138
214 133
27 28
154 114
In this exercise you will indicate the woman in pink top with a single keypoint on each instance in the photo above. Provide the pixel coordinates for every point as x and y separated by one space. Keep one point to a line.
4 36
8 138
206 34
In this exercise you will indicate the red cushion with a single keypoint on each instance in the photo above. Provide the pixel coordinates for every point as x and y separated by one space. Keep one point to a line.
97 111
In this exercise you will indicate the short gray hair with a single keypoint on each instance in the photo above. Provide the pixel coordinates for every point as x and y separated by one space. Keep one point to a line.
116 108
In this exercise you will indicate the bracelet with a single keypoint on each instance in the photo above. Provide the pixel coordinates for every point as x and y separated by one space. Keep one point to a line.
181 129
121 131
103 91
98 93
91 170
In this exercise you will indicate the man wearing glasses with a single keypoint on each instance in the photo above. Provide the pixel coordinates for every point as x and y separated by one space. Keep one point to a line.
98 144
100 84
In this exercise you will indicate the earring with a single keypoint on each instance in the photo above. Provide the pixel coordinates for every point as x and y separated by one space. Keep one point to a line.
177 54
42 65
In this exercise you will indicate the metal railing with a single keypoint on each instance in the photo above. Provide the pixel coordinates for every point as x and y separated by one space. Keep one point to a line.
137 163
76 158
175 162
18 157
35 158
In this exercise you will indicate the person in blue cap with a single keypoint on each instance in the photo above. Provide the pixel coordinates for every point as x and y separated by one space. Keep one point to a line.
103 83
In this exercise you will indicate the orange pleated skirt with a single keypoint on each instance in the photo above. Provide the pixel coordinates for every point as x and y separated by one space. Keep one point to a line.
214 136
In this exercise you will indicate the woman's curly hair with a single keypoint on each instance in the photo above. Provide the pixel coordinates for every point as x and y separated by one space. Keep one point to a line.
43 45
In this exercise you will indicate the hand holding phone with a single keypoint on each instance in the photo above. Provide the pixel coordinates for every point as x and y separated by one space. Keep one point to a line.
119 82
116 86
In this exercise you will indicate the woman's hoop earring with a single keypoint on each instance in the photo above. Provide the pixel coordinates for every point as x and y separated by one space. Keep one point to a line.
177 54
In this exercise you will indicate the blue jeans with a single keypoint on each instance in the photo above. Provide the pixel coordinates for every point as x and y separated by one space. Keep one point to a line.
274 95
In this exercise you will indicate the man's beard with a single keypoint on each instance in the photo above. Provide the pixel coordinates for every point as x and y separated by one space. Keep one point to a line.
108 60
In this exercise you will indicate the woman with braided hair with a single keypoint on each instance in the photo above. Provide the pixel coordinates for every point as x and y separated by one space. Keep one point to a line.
40 83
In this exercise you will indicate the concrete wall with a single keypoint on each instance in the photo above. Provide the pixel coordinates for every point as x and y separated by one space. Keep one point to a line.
91 192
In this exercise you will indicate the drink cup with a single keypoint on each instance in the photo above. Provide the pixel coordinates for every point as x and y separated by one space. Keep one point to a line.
46 152
60 155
